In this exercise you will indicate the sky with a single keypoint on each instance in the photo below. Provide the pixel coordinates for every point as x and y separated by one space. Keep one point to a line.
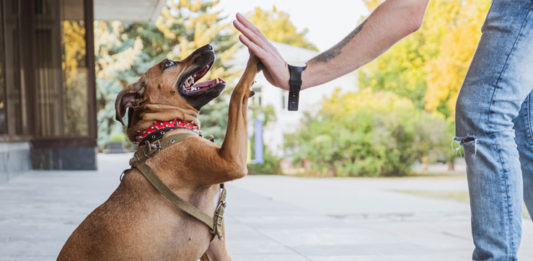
328 21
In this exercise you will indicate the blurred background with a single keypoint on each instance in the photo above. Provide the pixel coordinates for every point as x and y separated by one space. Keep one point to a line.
64 61
390 123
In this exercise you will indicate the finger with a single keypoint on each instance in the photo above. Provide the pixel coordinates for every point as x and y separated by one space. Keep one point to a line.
269 55
267 64
250 26
246 23
238 25
256 50
246 32
250 35
243 29
257 36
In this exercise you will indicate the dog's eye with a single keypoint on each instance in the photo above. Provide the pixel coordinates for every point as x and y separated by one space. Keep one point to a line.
167 64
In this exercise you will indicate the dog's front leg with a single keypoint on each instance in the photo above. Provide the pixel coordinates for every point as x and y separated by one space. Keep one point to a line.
227 162
235 146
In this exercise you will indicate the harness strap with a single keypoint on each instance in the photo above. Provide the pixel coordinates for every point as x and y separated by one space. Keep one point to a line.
139 162
151 148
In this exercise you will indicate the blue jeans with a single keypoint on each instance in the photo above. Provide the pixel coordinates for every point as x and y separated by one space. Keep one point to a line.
494 116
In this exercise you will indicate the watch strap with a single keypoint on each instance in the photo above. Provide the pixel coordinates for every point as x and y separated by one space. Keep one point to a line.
295 84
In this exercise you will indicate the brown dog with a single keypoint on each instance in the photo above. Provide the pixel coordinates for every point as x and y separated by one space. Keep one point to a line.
136 222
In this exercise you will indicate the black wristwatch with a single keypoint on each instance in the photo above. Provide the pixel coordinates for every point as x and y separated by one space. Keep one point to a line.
295 84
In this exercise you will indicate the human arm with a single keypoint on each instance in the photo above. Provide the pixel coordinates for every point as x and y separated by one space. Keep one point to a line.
386 25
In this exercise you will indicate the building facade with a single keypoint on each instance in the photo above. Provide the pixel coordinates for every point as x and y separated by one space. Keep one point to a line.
47 80
47 85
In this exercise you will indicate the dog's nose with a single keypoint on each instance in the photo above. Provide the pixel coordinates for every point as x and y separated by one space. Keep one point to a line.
207 47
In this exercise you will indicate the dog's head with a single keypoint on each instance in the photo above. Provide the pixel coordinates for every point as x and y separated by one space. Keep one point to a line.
171 84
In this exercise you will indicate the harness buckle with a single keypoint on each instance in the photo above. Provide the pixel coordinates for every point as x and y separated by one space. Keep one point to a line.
219 217
152 148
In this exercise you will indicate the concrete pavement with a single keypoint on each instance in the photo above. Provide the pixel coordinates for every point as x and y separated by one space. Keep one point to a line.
268 217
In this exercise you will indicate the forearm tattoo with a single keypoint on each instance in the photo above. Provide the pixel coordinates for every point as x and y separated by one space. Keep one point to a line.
336 50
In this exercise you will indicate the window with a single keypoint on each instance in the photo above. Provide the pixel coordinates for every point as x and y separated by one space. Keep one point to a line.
75 73
61 68
12 92
45 79
3 120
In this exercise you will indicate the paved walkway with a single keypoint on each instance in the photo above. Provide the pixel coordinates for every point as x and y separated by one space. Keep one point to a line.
268 218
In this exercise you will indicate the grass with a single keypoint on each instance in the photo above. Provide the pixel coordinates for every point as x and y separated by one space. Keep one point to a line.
458 196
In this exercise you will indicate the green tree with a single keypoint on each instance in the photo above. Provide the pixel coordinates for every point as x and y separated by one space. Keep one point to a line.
126 50
277 26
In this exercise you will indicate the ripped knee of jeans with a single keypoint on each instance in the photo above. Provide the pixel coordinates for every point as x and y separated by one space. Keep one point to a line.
459 142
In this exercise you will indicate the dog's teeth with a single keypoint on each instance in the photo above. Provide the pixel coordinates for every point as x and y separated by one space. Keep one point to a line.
216 81
188 82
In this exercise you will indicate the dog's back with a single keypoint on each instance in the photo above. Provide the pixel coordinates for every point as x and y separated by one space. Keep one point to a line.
135 224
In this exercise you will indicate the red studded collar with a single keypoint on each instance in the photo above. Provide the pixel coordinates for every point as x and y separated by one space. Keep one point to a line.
158 128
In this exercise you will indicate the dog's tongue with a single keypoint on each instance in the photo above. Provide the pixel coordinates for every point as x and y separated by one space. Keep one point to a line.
209 83
202 72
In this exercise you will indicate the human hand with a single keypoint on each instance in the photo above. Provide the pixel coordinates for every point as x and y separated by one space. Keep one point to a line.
275 68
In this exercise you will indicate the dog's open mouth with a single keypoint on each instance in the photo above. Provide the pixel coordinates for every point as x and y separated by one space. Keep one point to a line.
190 87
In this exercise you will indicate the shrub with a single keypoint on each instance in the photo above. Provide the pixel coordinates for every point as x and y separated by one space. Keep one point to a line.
271 165
117 137
367 134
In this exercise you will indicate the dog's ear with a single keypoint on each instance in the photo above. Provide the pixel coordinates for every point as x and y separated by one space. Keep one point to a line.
128 98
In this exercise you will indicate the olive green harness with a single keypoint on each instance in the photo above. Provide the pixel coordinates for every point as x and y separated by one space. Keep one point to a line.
139 162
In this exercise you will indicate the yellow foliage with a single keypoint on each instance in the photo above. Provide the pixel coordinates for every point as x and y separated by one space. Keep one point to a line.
163 22
447 71
372 4
366 99
74 42
276 26
428 67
